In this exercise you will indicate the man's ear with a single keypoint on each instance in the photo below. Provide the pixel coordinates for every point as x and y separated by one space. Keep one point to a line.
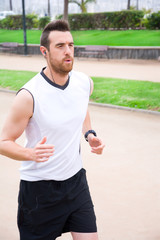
43 50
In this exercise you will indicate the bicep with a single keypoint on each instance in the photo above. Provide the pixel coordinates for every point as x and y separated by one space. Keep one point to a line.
19 115
91 86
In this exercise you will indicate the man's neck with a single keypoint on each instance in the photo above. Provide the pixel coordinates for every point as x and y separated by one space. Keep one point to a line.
57 78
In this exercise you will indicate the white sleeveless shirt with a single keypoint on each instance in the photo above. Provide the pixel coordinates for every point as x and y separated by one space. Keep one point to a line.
59 113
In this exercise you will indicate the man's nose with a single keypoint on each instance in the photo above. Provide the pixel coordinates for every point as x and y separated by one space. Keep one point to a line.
67 50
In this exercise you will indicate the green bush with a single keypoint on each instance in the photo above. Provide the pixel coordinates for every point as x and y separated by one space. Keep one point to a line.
153 21
31 21
43 22
107 20
16 22
116 20
6 23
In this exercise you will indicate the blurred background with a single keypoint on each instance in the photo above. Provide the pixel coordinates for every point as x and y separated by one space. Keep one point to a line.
40 7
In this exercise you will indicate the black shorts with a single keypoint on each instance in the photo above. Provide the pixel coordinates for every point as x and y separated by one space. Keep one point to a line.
49 208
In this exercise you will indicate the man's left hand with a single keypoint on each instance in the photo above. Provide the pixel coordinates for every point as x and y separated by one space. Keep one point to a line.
96 144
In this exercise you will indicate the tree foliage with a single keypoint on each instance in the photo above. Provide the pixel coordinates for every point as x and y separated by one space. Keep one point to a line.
82 4
154 21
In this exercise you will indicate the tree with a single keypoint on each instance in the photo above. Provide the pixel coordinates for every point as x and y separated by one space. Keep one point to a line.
129 7
146 11
133 8
65 15
82 4
129 4
10 4
49 8
137 4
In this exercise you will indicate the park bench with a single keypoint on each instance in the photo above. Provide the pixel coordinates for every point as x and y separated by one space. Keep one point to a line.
10 47
94 51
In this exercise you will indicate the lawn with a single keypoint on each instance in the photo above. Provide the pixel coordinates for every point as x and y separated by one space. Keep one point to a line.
117 38
121 92
92 37
14 80
127 93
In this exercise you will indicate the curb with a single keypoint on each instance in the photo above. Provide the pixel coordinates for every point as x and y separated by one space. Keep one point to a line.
124 108
104 105
7 91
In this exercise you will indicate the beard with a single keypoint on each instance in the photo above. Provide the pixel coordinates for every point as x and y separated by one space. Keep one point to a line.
63 67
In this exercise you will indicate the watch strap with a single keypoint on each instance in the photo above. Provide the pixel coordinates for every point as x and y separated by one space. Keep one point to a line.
88 132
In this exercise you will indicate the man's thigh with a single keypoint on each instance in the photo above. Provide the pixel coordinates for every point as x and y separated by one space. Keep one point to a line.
40 214
49 208
82 218
84 236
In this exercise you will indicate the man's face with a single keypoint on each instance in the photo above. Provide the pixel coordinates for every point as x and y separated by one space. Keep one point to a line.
61 52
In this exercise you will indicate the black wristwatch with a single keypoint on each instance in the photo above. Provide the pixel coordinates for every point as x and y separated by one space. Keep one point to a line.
88 132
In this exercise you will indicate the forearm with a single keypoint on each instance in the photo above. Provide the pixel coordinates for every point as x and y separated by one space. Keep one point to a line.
13 150
40 153
91 136
86 123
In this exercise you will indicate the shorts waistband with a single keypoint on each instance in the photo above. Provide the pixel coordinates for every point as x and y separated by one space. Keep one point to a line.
82 170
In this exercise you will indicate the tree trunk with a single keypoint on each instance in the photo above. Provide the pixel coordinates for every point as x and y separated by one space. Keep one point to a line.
10 3
129 3
65 15
83 7
49 9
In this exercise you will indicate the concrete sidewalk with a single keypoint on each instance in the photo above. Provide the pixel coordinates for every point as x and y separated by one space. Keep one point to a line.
127 69
124 181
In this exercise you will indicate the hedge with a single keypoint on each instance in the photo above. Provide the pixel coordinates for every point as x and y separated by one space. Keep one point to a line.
116 20
16 22
153 21
43 22
131 19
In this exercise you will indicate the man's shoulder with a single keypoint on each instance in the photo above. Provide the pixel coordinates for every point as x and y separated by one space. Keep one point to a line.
81 79
32 82
78 74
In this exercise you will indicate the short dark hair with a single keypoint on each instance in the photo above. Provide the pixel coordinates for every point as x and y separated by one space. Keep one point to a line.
57 25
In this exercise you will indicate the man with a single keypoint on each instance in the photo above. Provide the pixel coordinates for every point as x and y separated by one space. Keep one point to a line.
52 109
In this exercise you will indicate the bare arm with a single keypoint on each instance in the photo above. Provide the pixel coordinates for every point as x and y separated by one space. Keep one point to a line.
94 142
20 113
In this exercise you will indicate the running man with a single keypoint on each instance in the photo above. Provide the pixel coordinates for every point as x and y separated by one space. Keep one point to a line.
52 109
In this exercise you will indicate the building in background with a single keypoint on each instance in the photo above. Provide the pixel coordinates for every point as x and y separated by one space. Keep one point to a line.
40 6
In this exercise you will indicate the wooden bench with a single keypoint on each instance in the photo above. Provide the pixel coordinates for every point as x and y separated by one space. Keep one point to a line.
9 47
94 51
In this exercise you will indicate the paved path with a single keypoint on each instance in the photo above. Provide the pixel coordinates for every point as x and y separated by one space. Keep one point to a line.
127 69
124 181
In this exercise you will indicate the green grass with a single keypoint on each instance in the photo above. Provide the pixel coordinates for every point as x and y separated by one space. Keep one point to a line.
117 38
128 93
121 92
33 36
92 37
14 80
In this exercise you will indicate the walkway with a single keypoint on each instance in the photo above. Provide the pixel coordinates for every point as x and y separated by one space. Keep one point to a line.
127 69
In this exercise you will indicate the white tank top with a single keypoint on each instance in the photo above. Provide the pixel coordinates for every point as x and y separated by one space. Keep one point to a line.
59 112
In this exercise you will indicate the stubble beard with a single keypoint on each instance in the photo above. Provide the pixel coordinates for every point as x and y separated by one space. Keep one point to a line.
62 68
